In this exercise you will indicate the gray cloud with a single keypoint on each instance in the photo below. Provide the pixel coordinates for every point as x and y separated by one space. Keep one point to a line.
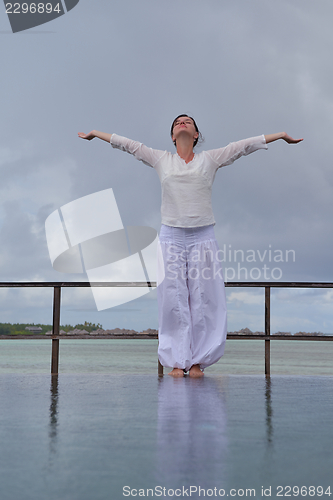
241 68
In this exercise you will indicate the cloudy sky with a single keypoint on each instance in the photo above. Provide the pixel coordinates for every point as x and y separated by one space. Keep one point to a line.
241 68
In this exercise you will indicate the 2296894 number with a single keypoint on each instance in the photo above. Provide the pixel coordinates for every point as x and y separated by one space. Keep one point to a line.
295 491
33 8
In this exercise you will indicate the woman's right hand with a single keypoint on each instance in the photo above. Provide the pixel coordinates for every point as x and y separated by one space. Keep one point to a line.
95 133
88 137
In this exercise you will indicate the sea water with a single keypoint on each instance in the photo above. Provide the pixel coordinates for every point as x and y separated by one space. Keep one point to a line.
108 428
139 356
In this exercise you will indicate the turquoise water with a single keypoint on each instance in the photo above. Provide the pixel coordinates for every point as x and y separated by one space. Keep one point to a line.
107 422
126 356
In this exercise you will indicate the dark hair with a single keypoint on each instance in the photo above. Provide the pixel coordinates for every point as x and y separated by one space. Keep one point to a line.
199 138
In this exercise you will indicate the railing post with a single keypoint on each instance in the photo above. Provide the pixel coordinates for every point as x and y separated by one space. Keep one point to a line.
160 369
267 330
55 330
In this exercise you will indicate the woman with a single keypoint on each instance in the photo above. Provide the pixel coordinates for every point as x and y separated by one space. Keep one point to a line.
191 297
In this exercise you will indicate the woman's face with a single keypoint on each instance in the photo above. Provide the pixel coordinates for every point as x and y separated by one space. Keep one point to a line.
184 125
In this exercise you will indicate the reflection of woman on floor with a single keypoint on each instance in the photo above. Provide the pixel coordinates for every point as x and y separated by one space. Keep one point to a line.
192 433
191 298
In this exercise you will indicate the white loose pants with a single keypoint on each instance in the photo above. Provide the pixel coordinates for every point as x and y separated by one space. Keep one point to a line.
191 299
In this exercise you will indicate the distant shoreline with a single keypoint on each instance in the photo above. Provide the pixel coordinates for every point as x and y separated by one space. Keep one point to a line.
96 331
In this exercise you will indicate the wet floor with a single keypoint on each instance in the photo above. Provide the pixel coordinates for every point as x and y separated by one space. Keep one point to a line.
101 436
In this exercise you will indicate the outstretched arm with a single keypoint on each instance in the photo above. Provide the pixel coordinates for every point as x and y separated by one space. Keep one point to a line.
94 133
281 135
147 155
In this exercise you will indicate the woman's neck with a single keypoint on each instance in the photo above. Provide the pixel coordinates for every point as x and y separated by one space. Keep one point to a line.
185 150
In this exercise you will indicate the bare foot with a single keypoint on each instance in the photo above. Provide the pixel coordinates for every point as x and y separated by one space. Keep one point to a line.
176 372
196 372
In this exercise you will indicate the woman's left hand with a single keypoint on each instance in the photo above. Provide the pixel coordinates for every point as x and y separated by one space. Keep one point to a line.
290 140
281 135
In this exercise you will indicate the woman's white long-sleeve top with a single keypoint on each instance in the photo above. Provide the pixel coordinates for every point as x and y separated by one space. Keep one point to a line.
187 187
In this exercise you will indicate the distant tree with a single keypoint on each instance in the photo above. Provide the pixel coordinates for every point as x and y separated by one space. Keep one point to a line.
5 329
19 328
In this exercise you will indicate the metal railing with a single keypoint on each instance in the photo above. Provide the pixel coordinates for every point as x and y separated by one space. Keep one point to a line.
267 337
